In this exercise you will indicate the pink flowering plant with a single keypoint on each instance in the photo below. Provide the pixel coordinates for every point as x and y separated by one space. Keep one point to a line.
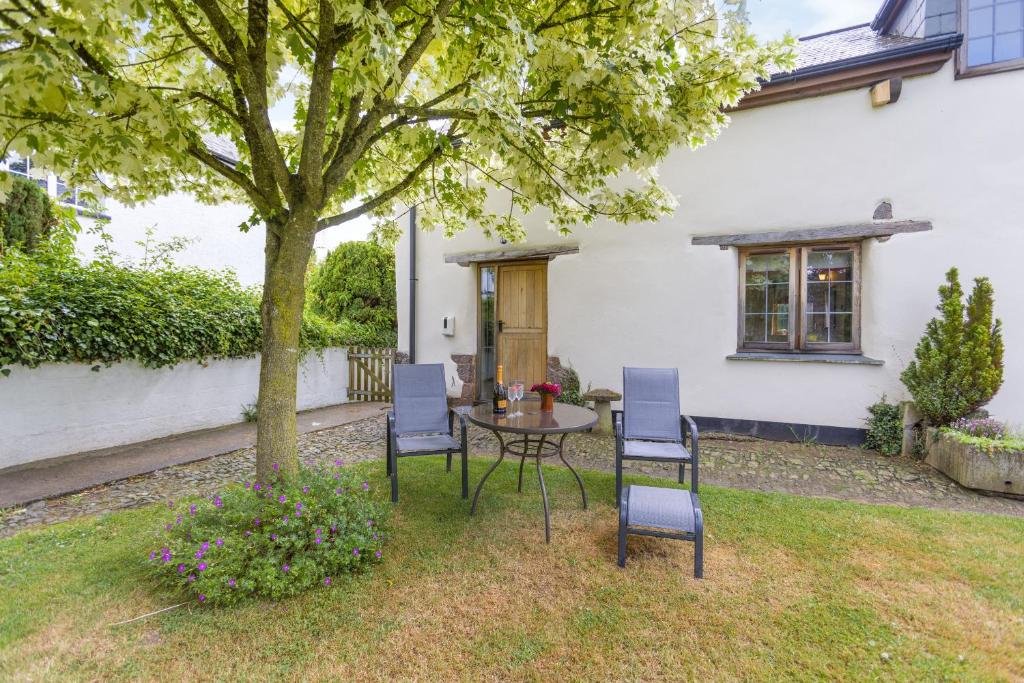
984 427
548 388
271 540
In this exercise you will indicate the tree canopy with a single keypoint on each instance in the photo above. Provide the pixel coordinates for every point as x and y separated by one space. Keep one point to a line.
420 100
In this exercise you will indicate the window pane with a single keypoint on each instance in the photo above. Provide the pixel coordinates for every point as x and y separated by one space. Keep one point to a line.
755 301
979 51
829 305
1008 46
830 266
817 297
755 328
758 328
763 268
778 327
841 297
1008 17
766 298
840 327
979 23
486 339
817 328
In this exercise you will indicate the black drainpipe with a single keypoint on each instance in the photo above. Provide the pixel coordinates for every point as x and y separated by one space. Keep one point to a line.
412 284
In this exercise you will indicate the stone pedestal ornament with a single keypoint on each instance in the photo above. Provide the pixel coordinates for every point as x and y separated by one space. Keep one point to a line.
602 399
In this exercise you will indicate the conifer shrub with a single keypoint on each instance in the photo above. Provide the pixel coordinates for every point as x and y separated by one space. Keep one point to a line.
958 364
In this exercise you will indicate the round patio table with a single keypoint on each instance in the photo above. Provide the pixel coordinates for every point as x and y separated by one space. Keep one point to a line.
527 435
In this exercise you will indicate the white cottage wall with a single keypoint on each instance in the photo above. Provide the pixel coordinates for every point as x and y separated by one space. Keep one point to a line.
949 151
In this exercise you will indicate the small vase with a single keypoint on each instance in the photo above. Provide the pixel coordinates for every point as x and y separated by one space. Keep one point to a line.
547 403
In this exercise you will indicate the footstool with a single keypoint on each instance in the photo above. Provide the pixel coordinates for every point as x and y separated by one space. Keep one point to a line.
665 513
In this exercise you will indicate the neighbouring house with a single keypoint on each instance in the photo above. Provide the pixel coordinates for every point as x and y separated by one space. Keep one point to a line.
798 272
216 241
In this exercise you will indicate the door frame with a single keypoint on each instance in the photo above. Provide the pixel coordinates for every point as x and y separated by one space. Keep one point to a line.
497 294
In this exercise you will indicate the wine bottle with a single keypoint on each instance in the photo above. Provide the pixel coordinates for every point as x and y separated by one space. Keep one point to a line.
500 400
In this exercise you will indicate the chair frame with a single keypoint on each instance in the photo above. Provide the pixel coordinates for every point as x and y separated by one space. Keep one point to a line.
687 427
697 537
393 452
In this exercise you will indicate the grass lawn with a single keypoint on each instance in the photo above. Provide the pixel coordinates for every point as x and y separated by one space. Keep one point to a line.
795 588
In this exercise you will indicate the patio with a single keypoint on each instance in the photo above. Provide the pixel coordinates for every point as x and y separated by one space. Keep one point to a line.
737 462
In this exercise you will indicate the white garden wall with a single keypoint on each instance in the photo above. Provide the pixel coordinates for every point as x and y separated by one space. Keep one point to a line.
63 408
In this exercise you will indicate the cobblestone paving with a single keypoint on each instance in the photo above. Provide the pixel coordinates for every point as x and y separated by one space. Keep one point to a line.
738 462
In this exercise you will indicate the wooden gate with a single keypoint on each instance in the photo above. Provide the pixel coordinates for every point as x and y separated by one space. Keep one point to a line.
369 373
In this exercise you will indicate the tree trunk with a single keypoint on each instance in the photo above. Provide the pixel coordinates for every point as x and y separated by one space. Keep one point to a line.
288 250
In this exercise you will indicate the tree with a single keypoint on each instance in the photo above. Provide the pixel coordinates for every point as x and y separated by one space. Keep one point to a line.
26 216
561 104
357 282
958 364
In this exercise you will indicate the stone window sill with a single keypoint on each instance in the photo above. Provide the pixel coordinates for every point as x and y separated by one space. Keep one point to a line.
834 358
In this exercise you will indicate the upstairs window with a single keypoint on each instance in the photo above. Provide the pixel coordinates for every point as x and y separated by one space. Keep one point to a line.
800 299
993 35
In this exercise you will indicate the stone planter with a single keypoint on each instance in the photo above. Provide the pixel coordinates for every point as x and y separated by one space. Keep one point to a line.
998 472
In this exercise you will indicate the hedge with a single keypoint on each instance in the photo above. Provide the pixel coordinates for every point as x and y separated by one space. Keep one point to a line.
55 309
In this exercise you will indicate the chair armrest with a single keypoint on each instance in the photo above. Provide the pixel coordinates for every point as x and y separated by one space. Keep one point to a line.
392 436
692 428
618 436
452 415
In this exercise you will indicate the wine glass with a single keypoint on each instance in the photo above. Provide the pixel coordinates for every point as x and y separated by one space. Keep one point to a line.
515 394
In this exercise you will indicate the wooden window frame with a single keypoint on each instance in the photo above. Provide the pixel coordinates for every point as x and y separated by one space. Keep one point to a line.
791 343
797 343
964 71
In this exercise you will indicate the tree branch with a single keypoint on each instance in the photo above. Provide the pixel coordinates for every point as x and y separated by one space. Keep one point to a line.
383 197
318 106
208 159
352 147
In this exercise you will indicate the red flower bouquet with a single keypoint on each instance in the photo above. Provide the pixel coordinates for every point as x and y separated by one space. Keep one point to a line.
548 391
548 388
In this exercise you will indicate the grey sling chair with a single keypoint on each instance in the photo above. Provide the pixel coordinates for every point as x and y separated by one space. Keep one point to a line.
650 426
421 423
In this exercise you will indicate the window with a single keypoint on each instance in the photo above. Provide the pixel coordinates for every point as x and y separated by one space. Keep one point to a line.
486 342
993 35
800 298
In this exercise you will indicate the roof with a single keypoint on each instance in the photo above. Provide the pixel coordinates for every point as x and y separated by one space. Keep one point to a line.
221 147
859 45
846 43
886 13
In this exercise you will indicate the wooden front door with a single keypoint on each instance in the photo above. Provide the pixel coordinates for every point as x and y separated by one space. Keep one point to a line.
522 321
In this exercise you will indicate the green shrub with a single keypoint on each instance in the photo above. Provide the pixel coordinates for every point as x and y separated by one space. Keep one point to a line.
55 309
958 364
26 216
356 283
885 428
271 541
571 391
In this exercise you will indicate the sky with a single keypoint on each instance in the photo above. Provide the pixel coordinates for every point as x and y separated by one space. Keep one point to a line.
772 18
768 19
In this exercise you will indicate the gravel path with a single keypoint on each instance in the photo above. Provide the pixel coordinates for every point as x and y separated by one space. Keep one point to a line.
738 462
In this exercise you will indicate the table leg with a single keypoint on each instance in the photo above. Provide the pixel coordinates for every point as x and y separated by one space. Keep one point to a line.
543 492
480 486
579 481
522 461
